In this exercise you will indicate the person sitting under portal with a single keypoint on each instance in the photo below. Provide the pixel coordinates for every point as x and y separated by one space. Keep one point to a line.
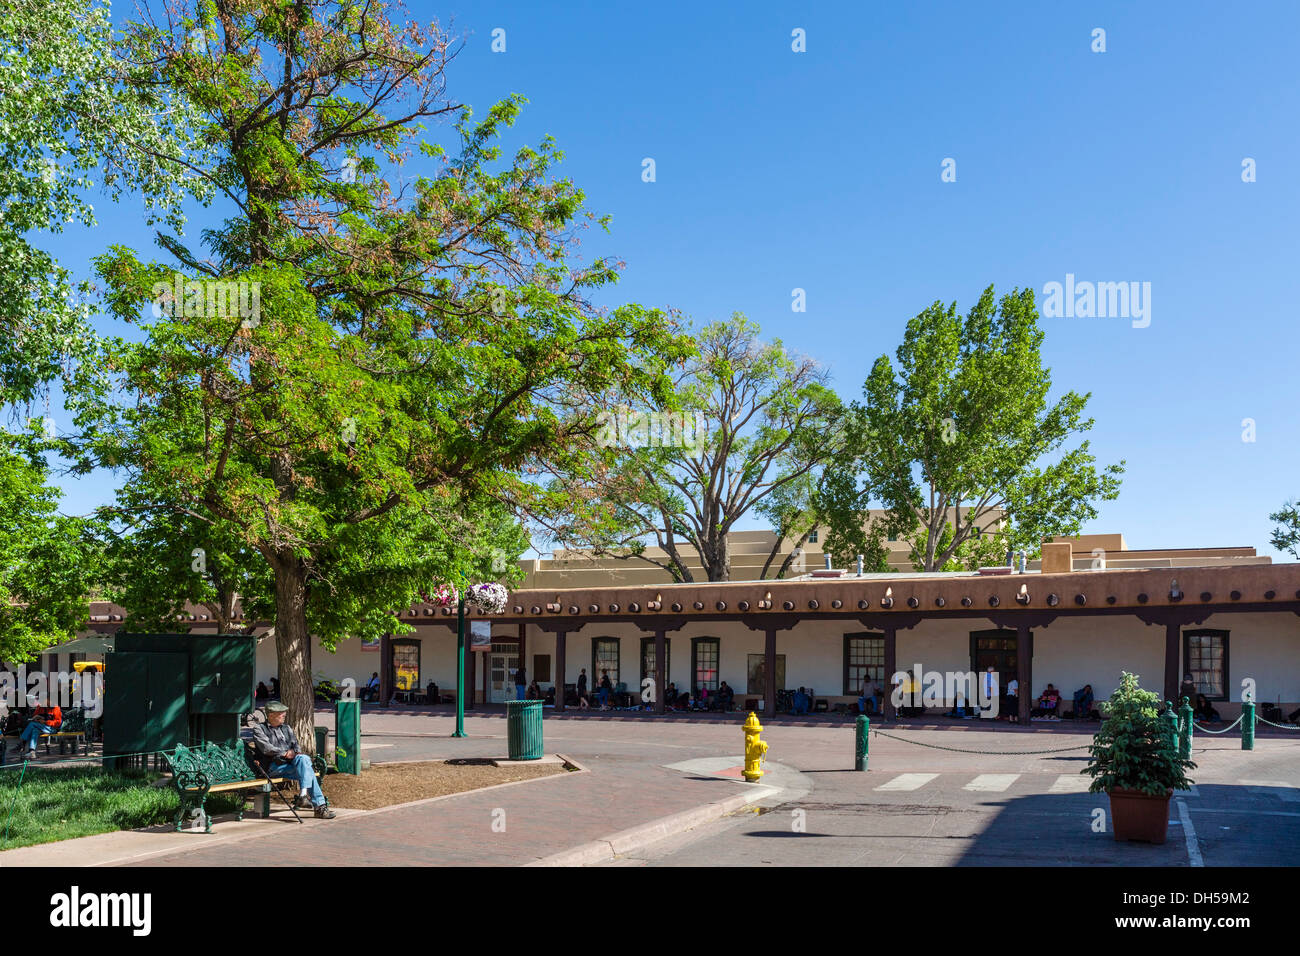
725 697
277 748
1083 702
1205 712
801 701
1049 701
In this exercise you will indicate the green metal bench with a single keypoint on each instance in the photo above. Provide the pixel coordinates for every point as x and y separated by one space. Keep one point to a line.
214 768
75 730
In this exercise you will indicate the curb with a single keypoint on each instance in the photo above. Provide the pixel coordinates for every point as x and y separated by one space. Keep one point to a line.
635 838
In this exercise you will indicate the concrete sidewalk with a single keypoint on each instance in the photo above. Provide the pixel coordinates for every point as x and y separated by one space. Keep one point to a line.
510 824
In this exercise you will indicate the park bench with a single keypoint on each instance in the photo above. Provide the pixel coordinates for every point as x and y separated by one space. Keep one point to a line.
217 768
74 730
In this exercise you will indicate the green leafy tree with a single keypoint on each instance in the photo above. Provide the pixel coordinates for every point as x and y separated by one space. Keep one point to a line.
401 354
47 560
157 561
69 122
759 426
1286 536
962 431
1134 749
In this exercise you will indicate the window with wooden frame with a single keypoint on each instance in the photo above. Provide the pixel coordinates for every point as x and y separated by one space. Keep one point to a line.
604 657
1205 653
706 654
864 662
406 663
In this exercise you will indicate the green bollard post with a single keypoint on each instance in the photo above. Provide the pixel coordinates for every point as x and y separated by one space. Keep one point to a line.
860 742
1248 725
1171 723
1185 730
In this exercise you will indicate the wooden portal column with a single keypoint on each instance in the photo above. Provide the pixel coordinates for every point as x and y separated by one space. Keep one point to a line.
769 657
1024 670
385 669
1173 630
891 665
560 640
661 676
471 660
523 649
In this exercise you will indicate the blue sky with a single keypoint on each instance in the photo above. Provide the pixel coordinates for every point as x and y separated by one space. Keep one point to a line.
821 170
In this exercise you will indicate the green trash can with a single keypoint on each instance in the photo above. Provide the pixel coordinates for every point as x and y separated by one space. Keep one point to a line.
322 740
524 729
347 736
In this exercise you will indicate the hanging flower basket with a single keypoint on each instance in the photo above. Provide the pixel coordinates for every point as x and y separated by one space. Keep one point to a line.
444 595
489 598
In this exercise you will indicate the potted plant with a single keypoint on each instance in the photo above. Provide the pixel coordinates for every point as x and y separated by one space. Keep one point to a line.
1135 759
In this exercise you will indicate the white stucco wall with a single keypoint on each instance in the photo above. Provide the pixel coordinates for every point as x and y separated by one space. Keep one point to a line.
1071 652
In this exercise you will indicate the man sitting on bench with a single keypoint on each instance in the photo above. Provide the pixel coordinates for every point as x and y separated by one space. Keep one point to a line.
46 720
277 747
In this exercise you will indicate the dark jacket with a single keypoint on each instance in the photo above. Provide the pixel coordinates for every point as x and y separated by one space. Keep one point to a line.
271 742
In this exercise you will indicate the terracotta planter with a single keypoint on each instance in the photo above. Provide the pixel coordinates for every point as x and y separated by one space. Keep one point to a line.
1139 816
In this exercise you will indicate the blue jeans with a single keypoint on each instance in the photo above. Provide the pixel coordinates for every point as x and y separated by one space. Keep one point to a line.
300 769
520 691
31 732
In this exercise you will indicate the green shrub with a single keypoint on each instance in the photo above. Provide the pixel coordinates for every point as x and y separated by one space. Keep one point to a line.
1134 749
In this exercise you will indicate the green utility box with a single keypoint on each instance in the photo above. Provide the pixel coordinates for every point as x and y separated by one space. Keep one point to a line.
161 690
347 736
524 729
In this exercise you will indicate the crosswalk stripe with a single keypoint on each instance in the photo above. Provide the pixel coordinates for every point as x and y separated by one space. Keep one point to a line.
1071 783
908 781
992 782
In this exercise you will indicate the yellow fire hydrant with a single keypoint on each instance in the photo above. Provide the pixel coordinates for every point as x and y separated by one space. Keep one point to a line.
755 749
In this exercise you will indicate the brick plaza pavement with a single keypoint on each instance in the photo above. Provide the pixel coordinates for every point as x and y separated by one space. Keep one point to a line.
916 804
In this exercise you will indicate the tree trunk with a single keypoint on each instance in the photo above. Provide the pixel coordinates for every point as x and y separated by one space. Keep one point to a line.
292 649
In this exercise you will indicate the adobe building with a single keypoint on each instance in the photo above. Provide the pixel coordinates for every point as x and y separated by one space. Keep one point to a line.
1090 609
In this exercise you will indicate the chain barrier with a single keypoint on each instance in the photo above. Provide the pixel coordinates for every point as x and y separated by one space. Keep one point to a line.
1207 730
991 753
1271 724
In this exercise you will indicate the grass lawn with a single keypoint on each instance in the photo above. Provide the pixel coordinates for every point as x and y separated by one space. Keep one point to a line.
58 804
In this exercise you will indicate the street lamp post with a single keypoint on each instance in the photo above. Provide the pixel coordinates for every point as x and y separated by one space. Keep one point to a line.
460 665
